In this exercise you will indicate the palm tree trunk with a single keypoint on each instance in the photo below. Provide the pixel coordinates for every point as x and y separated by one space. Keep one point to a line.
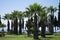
55 29
35 33
52 23
29 25
8 26
15 26
43 29
12 26
23 23
20 27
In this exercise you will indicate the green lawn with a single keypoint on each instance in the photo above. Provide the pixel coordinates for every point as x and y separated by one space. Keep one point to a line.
16 37
24 37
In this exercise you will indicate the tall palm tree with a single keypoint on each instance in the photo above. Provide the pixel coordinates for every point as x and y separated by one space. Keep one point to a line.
35 9
51 9
12 23
32 10
15 16
38 9
7 16
21 21
28 22
43 19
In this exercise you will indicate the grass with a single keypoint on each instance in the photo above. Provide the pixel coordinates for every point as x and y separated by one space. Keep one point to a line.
24 37
51 38
16 37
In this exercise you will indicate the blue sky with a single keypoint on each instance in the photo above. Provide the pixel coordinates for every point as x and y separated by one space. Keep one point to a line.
7 6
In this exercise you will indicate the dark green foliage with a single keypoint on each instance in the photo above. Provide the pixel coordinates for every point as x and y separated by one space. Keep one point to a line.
2 25
2 33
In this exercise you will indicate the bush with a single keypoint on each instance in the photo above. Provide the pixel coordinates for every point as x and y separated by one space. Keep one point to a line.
2 33
2 25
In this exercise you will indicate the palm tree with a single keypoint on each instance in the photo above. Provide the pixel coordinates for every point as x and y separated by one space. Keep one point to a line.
38 9
51 9
33 10
43 19
28 25
14 14
21 21
12 23
7 16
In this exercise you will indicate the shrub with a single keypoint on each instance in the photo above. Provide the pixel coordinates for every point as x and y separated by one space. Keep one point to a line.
2 33
2 25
